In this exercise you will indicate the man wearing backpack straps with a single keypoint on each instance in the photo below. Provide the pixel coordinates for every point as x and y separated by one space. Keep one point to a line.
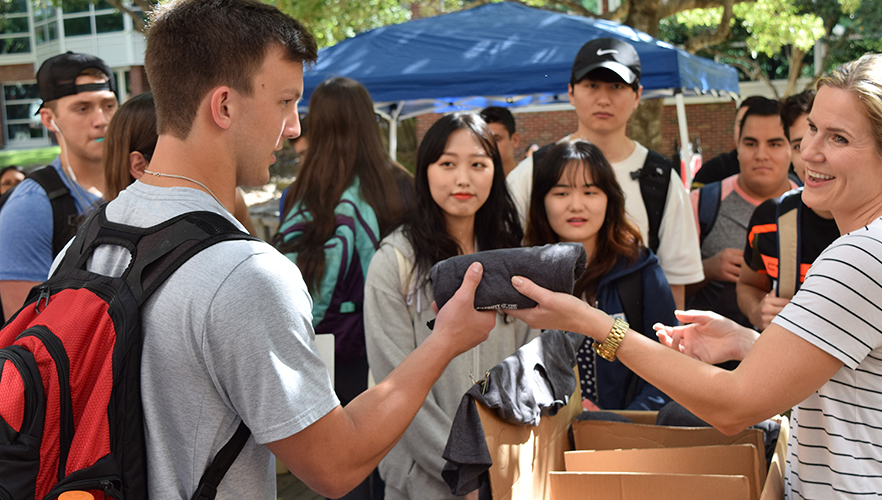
605 89
785 235
228 337
723 208
40 214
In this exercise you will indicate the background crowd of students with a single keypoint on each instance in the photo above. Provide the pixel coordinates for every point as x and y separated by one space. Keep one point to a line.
364 234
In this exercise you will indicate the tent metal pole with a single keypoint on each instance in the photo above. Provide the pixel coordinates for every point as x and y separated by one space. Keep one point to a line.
685 145
393 130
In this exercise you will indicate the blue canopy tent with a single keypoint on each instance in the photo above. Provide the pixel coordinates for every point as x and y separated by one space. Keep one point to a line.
501 54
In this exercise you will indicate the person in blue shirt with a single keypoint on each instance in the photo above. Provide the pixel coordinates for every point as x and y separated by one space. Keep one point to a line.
78 102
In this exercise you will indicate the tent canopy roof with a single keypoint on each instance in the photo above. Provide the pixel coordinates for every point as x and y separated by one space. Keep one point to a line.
499 54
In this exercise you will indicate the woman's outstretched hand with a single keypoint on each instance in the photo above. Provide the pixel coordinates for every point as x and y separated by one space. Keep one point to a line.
707 336
555 310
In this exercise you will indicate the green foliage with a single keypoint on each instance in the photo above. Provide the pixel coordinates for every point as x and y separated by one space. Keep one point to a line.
770 24
859 32
333 20
765 33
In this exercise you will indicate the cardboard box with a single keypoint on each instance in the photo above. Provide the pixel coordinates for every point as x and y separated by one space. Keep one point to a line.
646 486
527 460
731 460
600 435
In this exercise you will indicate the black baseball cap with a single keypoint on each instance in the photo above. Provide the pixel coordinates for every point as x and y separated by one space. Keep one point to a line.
57 76
615 55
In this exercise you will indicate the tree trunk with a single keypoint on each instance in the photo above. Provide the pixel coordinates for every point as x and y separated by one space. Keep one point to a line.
646 126
797 56
646 120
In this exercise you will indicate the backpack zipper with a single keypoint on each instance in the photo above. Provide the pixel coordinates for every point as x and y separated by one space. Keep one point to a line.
55 348
20 364
105 485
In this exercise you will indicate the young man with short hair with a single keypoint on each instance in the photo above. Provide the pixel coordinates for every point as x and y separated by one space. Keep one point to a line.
784 236
502 124
764 162
605 90
725 164
78 101
228 338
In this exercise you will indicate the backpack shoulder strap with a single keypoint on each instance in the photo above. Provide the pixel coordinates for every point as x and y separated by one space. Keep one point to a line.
222 462
788 219
157 251
655 179
709 198
630 288
64 208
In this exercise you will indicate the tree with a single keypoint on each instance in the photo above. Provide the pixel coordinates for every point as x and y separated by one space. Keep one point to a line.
768 30
333 20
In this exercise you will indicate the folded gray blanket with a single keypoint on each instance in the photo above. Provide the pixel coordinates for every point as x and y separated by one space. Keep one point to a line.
555 267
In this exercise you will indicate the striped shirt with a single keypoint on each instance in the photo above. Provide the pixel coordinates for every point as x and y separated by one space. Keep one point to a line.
835 448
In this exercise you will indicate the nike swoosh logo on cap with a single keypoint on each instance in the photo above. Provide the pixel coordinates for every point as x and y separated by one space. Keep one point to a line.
603 52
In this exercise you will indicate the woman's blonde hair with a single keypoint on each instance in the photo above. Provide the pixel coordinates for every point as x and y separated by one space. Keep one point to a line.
863 78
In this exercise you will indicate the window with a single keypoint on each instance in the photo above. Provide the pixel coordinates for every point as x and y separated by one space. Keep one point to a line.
75 26
106 23
84 18
14 37
20 104
45 22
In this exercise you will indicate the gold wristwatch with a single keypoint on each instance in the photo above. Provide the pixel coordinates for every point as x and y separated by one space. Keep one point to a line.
607 350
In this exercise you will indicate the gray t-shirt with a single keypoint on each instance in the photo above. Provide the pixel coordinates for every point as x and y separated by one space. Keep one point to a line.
729 231
228 337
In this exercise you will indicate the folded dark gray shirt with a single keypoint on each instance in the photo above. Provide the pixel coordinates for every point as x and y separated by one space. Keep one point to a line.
555 267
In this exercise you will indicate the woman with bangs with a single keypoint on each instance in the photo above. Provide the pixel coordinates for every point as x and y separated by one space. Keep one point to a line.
462 206
576 198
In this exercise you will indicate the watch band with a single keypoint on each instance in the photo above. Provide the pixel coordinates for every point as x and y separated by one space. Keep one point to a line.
607 350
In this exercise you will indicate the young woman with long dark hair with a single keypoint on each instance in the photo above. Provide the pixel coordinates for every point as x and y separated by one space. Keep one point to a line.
462 206
576 198
347 195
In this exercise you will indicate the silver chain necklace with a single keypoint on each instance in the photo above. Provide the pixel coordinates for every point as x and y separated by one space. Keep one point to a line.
194 181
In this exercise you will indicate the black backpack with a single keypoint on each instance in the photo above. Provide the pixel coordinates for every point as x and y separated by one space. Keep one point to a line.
71 416
65 218
710 196
654 178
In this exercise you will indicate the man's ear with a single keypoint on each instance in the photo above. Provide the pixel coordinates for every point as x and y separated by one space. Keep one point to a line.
137 164
46 117
639 95
515 140
570 93
221 104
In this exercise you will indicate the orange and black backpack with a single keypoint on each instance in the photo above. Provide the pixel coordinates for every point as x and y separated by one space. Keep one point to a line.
70 361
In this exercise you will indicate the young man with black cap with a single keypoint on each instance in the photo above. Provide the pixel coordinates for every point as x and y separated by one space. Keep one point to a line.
39 216
605 90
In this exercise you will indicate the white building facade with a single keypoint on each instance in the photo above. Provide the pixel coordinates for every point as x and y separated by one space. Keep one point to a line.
35 30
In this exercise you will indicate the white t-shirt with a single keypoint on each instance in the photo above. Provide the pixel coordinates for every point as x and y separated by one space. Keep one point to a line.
678 253
835 448
227 338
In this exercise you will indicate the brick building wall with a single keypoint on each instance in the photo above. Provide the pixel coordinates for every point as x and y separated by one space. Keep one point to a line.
711 122
17 72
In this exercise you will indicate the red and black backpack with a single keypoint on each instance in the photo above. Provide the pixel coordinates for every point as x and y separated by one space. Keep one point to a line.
70 396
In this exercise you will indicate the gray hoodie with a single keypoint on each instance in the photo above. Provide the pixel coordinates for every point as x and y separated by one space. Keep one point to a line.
412 470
